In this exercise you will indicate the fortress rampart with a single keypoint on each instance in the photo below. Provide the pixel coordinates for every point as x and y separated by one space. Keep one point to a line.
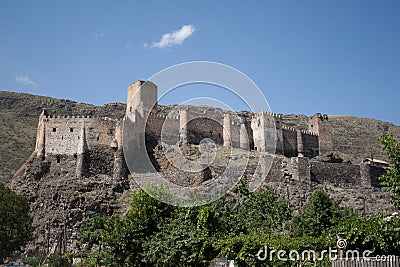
83 138
79 161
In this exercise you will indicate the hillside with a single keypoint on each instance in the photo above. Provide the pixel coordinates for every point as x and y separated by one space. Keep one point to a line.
353 136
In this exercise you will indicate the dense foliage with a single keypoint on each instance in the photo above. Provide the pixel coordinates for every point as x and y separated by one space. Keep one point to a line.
15 222
391 178
378 234
319 215
240 227
235 227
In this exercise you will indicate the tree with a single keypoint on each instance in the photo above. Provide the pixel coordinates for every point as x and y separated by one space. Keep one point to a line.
319 215
377 234
90 234
186 239
156 234
15 222
232 227
391 179
125 236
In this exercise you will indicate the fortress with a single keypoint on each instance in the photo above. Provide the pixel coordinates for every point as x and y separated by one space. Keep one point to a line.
81 138
78 167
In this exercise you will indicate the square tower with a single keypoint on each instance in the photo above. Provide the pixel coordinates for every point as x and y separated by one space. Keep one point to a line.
142 97
319 125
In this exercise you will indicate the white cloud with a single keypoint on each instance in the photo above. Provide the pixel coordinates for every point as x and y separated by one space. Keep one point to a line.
25 80
174 38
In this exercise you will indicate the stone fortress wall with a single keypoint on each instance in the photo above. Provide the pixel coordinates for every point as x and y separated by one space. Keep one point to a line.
82 138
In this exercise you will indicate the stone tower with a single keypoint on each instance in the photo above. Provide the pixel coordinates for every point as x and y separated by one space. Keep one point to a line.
142 98
41 135
267 132
183 130
81 151
227 132
319 125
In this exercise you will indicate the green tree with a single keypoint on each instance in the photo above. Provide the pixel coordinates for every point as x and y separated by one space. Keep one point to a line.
15 222
125 236
255 212
250 222
90 234
319 215
391 179
234 227
376 234
185 240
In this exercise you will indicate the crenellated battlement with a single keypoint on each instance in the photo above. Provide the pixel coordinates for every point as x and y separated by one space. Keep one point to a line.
267 113
68 117
308 132
74 118
287 128
284 127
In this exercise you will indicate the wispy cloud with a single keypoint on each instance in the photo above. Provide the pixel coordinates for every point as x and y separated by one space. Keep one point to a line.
99 35
25 80
174 38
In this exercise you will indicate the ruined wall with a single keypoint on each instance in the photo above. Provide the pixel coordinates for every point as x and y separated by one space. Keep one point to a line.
154 124
338 174
60 165
276 173
250 134
300 169
289 142
100 160
62 134
310 144
235 134
370 174
157 123
200 128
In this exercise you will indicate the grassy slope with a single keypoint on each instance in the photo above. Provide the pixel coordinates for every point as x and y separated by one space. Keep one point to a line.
19 114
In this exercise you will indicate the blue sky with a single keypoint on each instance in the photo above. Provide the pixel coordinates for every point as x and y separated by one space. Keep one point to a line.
333 57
